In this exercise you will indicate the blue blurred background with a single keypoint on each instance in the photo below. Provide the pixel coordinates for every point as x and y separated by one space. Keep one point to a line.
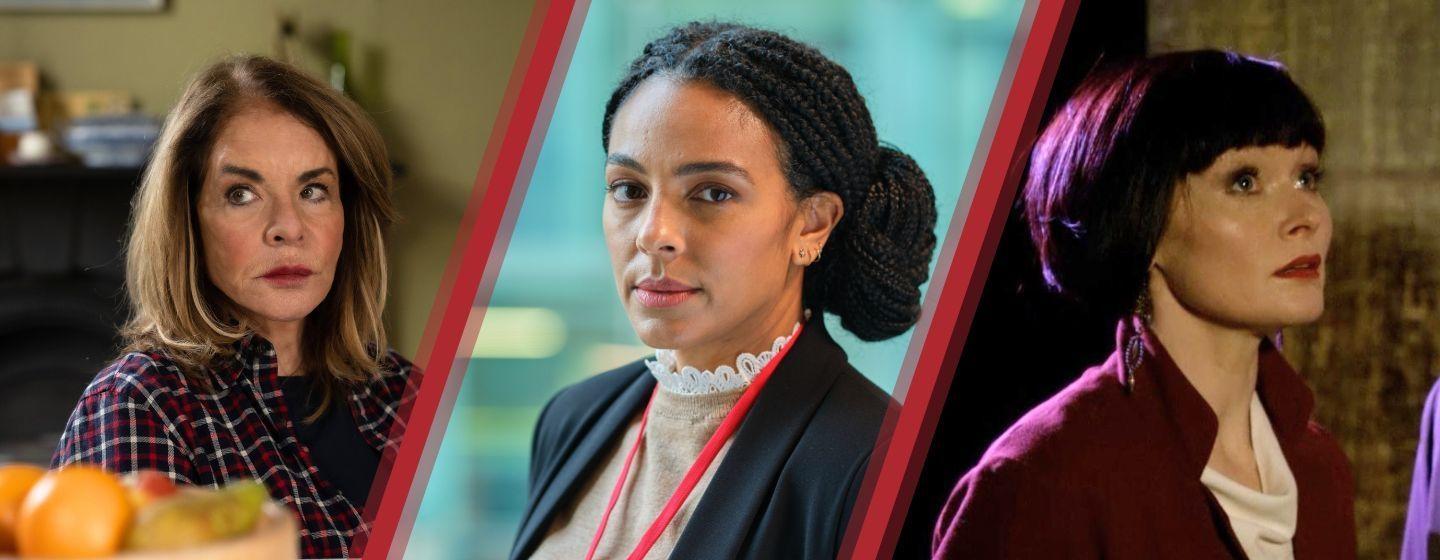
928 69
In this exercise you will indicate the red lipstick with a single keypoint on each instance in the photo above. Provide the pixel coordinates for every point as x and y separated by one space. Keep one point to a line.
663 292
287 276
1306 267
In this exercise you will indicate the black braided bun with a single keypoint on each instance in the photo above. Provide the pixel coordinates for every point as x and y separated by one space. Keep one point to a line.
879 254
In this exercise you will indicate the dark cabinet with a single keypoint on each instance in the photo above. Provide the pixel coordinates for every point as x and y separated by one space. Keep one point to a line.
62 231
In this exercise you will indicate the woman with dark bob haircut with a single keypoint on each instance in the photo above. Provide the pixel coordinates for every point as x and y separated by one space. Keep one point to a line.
1179 193
733 157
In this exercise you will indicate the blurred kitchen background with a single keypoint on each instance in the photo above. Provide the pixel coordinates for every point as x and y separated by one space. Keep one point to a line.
928 69
83 87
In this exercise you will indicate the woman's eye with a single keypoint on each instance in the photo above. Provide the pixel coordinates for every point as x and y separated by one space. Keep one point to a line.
1309 180
715 194
239 195
1244 183
315 192
625 192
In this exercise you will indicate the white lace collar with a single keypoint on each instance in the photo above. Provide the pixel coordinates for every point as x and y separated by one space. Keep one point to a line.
691 381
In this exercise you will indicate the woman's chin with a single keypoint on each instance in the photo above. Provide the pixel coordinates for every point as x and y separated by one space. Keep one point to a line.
1301 313
661 332
281 313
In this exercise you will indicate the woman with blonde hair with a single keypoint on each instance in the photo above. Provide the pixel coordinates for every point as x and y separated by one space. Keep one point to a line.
255 269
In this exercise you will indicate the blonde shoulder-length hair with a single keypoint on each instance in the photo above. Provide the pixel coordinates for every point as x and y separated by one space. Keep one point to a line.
177 310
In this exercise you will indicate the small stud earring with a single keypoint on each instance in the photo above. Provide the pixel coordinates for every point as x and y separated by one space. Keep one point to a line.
803 254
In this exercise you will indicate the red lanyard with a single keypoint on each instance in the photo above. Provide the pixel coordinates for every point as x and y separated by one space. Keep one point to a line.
697 469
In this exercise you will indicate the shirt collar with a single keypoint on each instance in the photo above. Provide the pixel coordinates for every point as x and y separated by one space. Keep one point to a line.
252 355
1159 381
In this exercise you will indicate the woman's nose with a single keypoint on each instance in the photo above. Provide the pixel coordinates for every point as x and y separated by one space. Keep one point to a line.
661 230
284 226
1306 213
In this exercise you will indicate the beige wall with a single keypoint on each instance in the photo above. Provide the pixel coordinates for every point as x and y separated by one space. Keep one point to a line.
1374 70
431 72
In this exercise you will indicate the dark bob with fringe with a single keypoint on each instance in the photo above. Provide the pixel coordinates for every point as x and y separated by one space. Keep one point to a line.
1104 172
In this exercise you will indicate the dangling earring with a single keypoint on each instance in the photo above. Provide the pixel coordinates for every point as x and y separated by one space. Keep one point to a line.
1143 308
1135 344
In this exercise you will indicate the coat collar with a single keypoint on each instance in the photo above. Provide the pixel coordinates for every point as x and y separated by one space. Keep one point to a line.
558 484
764 443
1158 382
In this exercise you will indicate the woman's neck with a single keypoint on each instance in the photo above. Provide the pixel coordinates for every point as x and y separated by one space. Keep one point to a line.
1222 363
285 337
752 336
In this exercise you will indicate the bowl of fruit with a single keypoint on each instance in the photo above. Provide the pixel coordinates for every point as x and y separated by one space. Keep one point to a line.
85 512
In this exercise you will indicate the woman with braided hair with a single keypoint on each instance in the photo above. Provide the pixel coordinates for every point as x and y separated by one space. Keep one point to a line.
746 195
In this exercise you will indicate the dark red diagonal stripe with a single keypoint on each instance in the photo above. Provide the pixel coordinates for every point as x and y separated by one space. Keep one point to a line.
469 275
890 482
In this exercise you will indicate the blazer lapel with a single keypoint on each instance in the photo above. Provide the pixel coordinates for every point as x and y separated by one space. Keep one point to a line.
606 421
762 445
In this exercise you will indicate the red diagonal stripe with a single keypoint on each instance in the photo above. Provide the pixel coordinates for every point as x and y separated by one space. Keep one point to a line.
890 482
469 274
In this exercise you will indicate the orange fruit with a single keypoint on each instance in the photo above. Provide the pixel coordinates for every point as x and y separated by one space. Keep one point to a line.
75 512
16 479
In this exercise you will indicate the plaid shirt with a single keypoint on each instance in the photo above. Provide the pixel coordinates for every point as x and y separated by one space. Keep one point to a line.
142 412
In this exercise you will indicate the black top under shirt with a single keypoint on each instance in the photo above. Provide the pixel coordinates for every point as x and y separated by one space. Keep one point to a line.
336 447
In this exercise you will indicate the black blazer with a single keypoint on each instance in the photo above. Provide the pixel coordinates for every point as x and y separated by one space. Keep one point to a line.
789 479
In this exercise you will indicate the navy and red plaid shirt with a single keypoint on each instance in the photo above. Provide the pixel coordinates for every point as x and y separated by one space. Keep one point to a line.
142 412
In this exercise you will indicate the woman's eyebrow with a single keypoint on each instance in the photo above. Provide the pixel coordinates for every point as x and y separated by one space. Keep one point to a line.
623 160
714 167
245 172
313 173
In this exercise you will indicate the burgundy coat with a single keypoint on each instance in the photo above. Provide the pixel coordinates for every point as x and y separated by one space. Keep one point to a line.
1099 471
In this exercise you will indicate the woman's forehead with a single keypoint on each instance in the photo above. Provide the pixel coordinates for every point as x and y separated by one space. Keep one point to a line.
672 123
264 138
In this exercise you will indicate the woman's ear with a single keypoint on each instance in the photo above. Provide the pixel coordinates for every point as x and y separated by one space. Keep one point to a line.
819 214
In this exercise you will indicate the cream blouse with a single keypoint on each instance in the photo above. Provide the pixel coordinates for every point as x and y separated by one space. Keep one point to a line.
1263 520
